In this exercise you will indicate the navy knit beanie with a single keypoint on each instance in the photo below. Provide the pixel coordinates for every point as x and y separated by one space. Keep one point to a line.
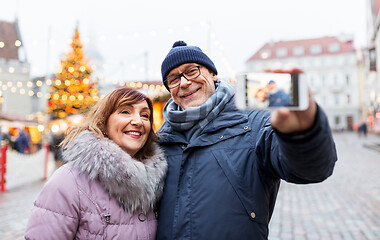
180 54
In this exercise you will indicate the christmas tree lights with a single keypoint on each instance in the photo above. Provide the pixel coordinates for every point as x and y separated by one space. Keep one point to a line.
72 91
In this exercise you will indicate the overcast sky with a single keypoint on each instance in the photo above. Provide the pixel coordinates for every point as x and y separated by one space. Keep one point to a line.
133 37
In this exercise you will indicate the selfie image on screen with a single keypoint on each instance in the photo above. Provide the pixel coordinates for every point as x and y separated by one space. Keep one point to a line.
268 90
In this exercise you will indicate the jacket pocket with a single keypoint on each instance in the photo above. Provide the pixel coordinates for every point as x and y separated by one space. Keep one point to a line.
245 194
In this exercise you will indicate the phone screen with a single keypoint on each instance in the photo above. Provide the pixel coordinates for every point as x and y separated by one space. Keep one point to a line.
270 90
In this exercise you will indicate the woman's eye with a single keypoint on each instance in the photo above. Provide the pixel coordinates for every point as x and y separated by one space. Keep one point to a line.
125 111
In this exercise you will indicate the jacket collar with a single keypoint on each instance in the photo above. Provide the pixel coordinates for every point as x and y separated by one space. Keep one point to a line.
230 122
136 185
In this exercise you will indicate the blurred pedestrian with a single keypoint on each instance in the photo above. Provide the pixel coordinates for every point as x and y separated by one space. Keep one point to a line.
22 142
56 149
363 127
112 177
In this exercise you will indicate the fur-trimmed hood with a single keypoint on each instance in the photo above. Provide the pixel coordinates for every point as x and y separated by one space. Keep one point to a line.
137 185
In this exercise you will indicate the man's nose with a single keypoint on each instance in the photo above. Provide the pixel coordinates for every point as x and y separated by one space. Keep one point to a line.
184 81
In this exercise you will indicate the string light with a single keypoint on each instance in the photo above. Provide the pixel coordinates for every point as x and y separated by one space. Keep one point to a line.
119 36
17 43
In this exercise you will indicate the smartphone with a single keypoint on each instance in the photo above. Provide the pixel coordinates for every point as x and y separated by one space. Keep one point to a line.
271 90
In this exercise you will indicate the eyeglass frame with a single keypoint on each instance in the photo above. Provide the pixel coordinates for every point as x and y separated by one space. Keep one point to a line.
182 75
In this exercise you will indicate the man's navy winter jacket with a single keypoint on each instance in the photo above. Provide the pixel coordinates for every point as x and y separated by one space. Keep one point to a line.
224 184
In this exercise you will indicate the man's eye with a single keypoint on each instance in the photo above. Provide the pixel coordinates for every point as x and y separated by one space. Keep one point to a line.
192 71
173 80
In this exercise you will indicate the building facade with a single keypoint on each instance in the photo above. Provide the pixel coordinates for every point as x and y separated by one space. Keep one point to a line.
15 84
372 58
331 68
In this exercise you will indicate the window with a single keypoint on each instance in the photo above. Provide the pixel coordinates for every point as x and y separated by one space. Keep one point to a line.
298 51
315 49
311 82
281 52
334 47
337 120
323 81
336 99
348 98
348 81
264 54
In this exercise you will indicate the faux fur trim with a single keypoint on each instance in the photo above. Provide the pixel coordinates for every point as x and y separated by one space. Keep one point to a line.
137 185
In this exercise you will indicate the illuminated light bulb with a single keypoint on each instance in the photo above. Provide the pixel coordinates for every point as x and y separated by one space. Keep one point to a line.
80 97
41 128
13 89
56 96
72 98
19 84
71 69
82 68
86 81
29 84
9 84
67 83
58 82
11 70
4 87
145 86
2 44
31 93
17 43
64 97
39 83
22 91
39 94
139 85
48 82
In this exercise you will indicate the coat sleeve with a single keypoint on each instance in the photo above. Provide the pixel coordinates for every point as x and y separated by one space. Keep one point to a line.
306 158
55 212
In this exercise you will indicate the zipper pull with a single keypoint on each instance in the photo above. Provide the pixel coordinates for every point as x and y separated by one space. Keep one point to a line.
107 216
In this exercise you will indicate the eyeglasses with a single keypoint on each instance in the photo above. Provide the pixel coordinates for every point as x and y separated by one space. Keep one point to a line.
188 74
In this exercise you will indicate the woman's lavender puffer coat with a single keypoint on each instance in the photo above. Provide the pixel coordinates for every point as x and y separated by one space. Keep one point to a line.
101 193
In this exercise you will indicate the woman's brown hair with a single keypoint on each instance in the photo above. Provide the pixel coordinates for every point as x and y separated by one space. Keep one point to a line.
97 118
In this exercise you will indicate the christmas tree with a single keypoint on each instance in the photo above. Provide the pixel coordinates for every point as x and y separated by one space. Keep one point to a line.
72 91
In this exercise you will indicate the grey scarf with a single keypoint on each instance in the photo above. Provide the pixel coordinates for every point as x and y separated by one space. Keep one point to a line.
194 119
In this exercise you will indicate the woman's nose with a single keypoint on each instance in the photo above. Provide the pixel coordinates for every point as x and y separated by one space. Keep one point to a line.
136 120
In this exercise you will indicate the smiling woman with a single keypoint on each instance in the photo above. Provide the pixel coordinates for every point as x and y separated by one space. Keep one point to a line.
113 175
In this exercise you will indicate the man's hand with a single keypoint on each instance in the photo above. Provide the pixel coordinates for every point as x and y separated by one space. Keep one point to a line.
293 122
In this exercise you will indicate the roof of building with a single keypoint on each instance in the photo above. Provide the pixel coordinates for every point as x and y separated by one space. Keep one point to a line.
305 45
376 7
8 35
